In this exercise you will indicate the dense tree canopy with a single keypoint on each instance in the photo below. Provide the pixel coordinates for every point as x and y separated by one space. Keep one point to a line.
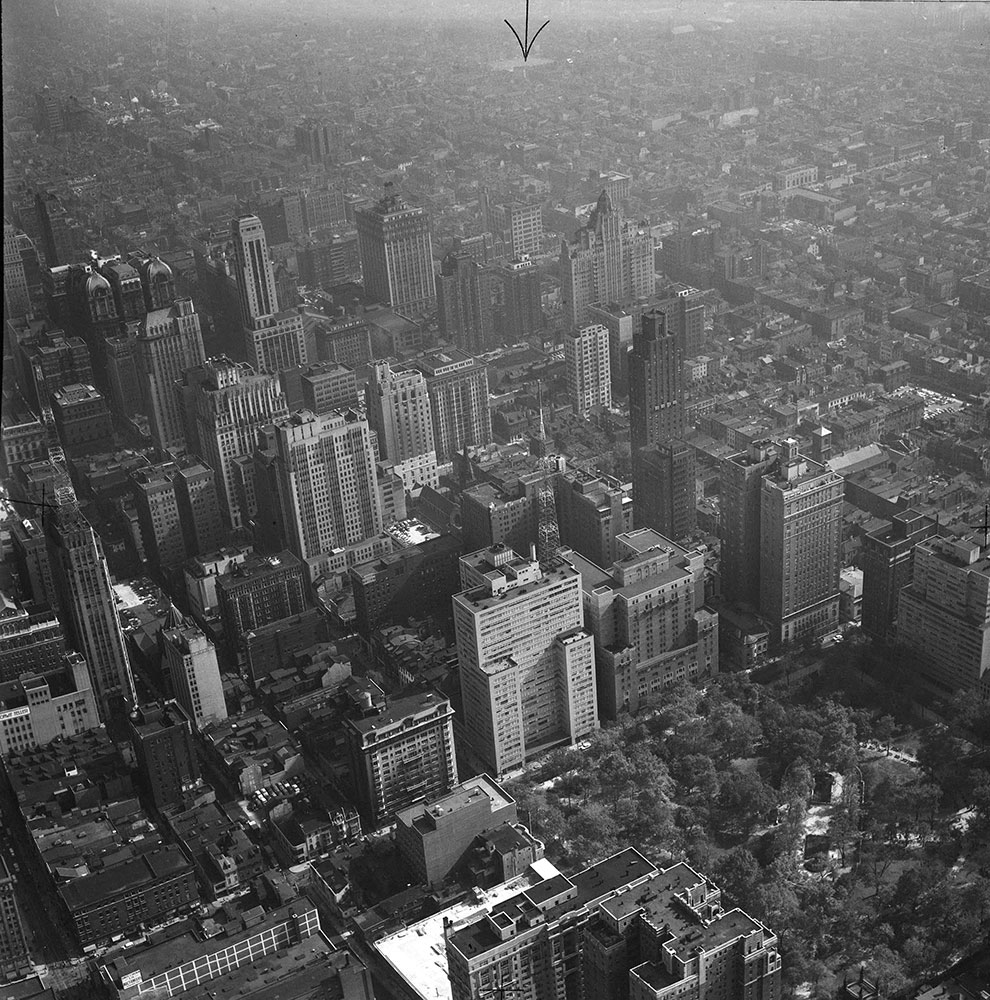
725 778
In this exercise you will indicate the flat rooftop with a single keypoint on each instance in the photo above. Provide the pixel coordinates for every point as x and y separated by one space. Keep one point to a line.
418 954
598 880
155 959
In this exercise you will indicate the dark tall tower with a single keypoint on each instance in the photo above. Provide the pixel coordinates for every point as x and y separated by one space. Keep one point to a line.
163 746
464 297
664 493
656 391
86 600
742 479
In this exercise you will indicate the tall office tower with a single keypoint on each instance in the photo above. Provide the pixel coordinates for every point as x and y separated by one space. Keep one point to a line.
403 754
189 660
327 482
121 374
49 110
527 666
621 928
158 517
276 339
15 959
609 261
800 546
465 296
92 313
87 602
457 385
664 489
741 476
592 510
157 283
888 561
16 297
226 404
589 375
163 748
519 226
399 412
656 392
397 254
125 283
58 243
647 616
168 342
199 509
943 615
518 304
685 314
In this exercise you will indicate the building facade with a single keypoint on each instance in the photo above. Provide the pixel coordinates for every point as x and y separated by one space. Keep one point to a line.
589 374
190 662
226 403
648 618
622 927
87 602
399 411
397 255
888 561
327 481
800 547
402 754
609 261
168 342
943 615
527 667
457 385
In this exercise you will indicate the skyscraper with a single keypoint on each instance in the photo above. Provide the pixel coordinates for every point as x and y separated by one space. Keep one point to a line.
398 404
527 666
226 403
800 546
647 616
16 298
888 560
589 376
163 746
403 754
87 602
519 226
275 339
158 517
465 302
656 393
57 240
664 489
457 385
189 660
609 261
397 254
518 306
199 508
741 477
327 483
168 342
943 614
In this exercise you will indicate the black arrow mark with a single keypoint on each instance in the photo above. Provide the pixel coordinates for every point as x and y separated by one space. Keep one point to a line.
528 45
